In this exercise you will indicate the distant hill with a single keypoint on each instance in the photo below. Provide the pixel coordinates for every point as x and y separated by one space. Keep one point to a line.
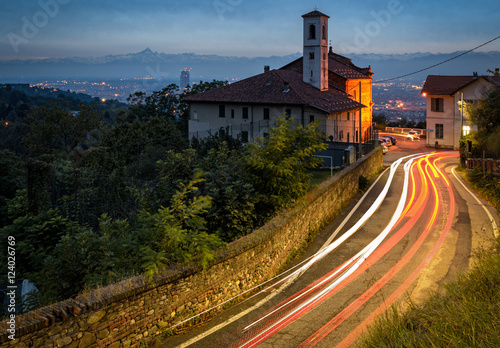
207 67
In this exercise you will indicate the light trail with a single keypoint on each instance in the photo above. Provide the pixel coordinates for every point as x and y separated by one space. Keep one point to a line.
348 340
350 267
367 295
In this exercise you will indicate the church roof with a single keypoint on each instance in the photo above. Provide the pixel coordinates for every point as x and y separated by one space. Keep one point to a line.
315 13
278 87
449 85
339 65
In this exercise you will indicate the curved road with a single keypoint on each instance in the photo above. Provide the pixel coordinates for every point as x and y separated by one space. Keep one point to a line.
415 228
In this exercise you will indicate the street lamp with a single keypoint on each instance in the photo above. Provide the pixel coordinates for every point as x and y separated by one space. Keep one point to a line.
461 115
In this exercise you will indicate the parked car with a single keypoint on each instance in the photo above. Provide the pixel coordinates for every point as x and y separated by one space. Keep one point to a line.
386 141
384 148
392 137
413 135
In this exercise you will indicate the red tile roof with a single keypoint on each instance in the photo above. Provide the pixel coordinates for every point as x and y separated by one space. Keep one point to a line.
449 85
315 13
278 87
339 65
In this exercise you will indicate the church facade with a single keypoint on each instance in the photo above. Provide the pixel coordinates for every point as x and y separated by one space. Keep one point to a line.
320 86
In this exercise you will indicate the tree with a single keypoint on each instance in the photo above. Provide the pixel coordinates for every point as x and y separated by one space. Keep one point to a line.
380 120
52 129
276 165
486 116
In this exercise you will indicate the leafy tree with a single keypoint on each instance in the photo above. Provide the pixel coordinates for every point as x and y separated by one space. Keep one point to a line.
12 178
232 214
52 129
36 237
486 116
380 120
276 165
177 233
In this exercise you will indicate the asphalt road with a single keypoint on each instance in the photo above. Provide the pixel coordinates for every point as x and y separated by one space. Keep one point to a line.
422 229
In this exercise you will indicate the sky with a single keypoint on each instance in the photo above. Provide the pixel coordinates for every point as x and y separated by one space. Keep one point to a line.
253 28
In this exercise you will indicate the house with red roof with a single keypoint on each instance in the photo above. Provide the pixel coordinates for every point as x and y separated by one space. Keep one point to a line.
320 86
448 100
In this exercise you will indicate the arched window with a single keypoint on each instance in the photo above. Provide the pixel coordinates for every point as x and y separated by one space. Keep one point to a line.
324 32
311 55
312 32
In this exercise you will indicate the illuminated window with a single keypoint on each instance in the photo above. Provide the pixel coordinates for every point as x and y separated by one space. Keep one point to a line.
466 130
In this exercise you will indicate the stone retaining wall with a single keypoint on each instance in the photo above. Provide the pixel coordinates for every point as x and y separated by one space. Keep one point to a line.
130 312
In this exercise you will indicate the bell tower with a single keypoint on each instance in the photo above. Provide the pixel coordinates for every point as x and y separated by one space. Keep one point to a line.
315 60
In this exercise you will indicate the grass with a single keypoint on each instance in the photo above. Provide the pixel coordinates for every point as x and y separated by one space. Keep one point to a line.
466 314
319 175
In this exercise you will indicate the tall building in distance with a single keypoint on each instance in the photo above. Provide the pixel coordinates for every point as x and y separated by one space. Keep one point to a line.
185 79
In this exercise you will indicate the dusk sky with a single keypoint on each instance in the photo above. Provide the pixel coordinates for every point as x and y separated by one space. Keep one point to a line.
68 28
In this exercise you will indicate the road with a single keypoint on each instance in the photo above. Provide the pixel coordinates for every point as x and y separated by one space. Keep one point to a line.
415 228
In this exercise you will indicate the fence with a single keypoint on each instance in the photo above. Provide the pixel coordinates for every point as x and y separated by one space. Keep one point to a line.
486 164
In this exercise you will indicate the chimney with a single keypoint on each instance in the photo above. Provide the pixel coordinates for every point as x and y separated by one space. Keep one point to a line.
474 74
497 71
266 68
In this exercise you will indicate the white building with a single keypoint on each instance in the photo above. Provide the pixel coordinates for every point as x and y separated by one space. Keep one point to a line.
320 86
448 98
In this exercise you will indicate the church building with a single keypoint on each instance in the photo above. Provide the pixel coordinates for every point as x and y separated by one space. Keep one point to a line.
320 86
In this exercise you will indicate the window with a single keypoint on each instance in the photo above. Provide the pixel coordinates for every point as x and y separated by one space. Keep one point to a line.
312 32
245 113
288 113
311 118
311 55
244 136
222 132
341 135
222 111
324 32
232 113
266 113
439 131
437 104
348 116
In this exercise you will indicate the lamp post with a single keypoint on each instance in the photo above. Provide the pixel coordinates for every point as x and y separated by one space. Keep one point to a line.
461 115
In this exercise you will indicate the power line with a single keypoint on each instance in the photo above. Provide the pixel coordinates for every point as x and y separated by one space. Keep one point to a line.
445 61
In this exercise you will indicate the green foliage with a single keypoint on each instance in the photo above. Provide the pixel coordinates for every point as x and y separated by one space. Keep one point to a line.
177 232
12 178
364 183
276 165
36 237
232 214
487 184
486 116
52 129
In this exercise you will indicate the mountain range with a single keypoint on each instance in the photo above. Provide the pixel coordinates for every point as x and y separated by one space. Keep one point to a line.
162 66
